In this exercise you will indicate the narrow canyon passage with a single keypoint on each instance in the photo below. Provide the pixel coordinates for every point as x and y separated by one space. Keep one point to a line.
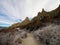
30 40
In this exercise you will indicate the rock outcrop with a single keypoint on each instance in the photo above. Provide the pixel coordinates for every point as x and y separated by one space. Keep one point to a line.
20 25
44 18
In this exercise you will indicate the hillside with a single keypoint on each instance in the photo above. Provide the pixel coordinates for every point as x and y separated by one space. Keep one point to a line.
43 18
20 24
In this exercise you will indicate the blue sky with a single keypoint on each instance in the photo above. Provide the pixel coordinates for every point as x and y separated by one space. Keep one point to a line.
12 11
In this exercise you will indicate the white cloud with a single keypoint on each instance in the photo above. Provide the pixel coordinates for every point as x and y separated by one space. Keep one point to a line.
6 21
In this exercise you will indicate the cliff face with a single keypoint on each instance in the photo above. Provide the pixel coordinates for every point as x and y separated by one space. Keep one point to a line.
43 18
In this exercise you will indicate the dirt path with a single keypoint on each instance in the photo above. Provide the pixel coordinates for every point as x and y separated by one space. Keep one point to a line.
30 40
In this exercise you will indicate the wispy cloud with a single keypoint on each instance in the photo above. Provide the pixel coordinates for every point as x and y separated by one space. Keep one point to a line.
11 11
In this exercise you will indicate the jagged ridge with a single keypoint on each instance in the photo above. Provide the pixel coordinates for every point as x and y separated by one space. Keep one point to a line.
44 18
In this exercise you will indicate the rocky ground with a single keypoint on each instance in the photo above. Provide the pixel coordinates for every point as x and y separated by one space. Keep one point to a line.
49 35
